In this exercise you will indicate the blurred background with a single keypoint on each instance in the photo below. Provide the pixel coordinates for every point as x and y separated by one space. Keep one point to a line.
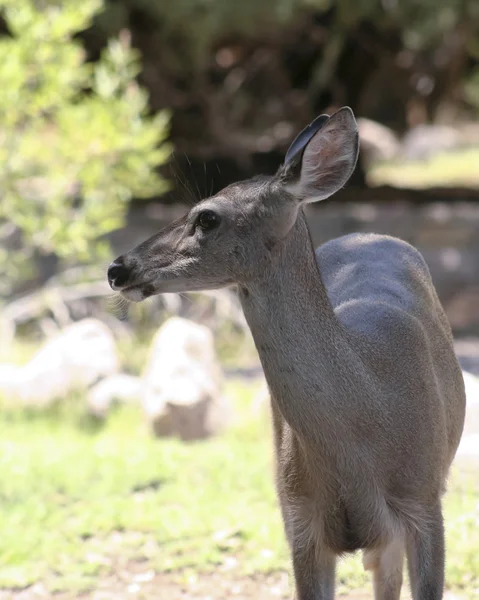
135 451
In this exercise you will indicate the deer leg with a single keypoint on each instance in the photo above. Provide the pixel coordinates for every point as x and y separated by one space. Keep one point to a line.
314 571
387 567
426 558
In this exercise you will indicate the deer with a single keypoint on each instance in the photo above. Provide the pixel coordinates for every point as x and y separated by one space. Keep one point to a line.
366 394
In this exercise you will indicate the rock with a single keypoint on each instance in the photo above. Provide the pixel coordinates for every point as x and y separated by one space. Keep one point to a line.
471 425
469 445
423 141
76 358
378 142
183 381
467 352
469 133
9 379
116 388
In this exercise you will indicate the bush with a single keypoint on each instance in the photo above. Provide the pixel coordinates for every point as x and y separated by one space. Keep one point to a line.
242 77
76 141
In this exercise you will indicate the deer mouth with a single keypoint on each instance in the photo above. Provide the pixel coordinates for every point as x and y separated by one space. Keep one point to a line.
138 292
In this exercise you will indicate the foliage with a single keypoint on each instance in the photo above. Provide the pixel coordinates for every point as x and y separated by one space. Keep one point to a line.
76 141
472 89
242 77
422 24
162 504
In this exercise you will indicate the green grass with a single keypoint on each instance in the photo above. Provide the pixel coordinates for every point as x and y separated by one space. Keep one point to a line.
74 499
78 500
459 168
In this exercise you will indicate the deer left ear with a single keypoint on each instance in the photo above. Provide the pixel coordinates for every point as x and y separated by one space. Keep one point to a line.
323 157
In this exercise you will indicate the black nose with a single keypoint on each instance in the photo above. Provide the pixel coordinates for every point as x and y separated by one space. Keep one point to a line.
118 274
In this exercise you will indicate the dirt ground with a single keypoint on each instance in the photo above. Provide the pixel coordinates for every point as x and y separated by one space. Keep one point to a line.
148 586
206 587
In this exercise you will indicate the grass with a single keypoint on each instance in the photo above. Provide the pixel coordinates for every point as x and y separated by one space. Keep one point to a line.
448 169
76 501
80 499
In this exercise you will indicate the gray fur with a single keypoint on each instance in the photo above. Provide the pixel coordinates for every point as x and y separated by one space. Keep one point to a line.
367 396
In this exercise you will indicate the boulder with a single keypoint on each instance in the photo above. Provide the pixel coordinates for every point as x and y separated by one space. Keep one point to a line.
120 388
378 142
76 358
424 141
471 425
10 376
469 445
183 382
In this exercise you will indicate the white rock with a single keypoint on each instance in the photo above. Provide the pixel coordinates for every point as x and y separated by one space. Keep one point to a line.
183 381
116 388
471 425
378 142
469 445
9 379
423 141
471 383
76 358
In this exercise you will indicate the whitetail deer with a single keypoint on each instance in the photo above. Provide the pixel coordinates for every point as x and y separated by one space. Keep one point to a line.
367 396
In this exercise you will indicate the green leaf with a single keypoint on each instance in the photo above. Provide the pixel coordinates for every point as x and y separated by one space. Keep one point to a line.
76 142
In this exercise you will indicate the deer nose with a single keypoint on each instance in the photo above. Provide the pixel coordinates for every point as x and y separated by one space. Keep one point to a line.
118 275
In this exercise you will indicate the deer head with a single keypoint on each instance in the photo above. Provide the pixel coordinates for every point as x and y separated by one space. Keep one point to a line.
232 237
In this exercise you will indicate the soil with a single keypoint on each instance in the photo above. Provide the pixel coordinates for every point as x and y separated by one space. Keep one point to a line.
137 585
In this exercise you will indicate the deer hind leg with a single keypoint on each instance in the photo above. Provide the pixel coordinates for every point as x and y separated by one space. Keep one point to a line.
386 563
426 558
314 565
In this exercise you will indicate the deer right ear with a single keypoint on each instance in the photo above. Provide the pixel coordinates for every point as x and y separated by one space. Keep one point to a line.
323 157
299 143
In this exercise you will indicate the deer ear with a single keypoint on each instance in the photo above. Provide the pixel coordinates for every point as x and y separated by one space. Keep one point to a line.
324 157
300 141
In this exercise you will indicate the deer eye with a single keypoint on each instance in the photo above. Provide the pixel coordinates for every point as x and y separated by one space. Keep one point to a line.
207 220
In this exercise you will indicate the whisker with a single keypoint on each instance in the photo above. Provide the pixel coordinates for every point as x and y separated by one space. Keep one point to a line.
183 182
183 295
193 176
119 306
205 181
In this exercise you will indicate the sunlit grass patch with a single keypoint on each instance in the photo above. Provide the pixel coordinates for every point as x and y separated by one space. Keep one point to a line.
459 168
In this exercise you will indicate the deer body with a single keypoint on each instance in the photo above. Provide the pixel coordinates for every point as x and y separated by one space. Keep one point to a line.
349 394
367 396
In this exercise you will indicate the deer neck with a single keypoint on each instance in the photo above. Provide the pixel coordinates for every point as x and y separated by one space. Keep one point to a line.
301 344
